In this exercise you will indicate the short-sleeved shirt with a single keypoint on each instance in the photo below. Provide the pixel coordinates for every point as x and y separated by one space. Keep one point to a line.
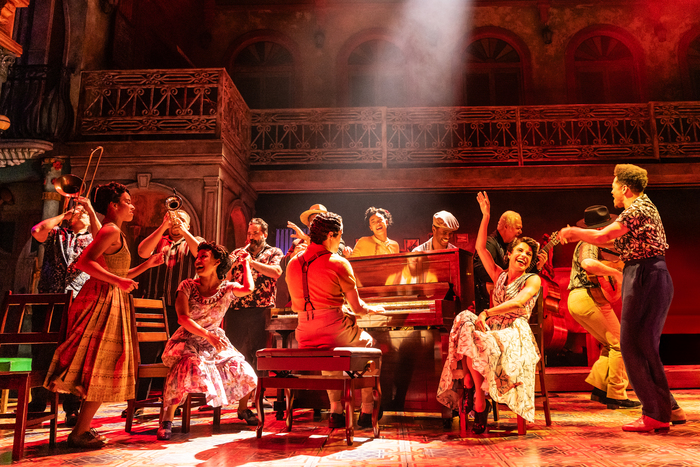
428 246
61 248
372 246
178 265
646 237
263 295
579 277
330 277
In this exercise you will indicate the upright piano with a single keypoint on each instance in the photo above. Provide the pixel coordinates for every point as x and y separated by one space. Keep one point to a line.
422 292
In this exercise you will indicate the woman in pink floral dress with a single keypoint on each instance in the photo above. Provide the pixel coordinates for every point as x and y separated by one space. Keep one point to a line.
497 349
200 356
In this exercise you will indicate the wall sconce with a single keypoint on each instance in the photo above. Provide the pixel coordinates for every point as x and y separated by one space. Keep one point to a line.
547 34
660 32
319 39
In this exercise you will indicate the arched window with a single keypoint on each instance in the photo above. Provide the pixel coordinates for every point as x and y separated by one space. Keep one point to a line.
377 75
492 73
263 72
693 60
605 71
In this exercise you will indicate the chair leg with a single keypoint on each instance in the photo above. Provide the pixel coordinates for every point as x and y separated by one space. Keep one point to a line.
186 414
130 408
217 417
21 420
495 410
289 394
522 426
53 423
543 388
377 399
261 413
349 403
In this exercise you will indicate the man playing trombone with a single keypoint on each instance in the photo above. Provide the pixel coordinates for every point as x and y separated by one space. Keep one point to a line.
64 238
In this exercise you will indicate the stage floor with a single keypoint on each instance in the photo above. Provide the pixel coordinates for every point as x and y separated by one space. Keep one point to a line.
583 433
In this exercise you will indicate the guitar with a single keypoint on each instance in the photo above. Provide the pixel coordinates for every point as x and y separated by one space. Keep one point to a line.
610 290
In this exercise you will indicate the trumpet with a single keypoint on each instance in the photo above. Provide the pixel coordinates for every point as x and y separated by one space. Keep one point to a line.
71 187
172 204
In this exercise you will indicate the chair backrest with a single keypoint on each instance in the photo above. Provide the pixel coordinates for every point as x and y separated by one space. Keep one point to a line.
17 307
537 321
149 322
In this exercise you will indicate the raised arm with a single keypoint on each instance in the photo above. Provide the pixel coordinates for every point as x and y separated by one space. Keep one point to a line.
41 231
248 285
492 269
596 237
150 243
95 224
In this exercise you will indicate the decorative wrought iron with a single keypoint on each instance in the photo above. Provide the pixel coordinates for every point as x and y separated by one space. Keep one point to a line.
205 102
162 102
678 128
36 99
317 136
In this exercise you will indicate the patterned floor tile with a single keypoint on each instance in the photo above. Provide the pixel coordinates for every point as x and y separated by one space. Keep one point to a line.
583 433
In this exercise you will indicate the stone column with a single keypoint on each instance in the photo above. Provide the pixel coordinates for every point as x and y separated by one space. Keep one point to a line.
211 209
53 202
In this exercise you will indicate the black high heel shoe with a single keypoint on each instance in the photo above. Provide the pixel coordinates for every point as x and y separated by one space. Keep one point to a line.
481 419
468 400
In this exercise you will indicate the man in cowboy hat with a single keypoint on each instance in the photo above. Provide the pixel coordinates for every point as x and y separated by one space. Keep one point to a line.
591 307
444 227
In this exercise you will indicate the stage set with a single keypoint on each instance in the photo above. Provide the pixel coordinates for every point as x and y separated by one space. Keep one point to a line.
242 109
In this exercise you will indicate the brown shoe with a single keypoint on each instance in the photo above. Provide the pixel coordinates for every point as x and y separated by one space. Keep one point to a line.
87 440
678 416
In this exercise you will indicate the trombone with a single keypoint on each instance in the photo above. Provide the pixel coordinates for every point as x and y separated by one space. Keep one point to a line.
71 187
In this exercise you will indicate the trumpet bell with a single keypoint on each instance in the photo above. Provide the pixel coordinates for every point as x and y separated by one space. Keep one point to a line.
173 203
69 185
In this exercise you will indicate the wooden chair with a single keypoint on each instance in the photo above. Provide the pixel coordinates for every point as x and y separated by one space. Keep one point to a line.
284 367
149 323
15 308
537 327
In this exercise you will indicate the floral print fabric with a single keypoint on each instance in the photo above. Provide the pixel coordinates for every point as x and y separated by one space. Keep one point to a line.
506 354
195 366
646 237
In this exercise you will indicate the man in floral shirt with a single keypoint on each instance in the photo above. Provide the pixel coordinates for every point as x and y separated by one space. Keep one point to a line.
245 320
64 238
647 291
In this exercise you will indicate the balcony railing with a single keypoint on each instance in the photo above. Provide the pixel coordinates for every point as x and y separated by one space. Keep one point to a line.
205 103
458 136
163 103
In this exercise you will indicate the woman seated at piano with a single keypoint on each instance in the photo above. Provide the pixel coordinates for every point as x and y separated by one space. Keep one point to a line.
496 350
200 356
378 220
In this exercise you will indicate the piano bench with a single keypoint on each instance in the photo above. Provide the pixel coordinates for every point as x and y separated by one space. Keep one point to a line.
284 367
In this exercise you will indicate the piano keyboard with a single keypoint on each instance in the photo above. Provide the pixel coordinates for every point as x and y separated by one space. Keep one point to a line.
395 308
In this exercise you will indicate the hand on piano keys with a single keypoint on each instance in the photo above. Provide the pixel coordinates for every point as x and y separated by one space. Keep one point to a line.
374 309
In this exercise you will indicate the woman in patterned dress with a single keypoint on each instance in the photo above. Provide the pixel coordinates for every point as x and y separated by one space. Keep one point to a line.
647 290
200 356
497 347
96 361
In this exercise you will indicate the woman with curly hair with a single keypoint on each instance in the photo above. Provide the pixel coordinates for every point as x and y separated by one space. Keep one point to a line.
378 220
496 349
200 356
96 361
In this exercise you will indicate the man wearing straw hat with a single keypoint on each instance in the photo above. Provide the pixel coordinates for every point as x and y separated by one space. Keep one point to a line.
592 309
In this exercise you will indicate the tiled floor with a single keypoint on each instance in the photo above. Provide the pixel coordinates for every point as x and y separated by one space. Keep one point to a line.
583 433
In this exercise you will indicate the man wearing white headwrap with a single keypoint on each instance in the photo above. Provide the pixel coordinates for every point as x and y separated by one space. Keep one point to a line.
444 227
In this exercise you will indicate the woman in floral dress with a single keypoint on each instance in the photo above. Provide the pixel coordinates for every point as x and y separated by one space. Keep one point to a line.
200 356
96 361
497 347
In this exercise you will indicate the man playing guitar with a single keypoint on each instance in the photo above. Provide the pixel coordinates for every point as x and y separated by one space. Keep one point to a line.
593 286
